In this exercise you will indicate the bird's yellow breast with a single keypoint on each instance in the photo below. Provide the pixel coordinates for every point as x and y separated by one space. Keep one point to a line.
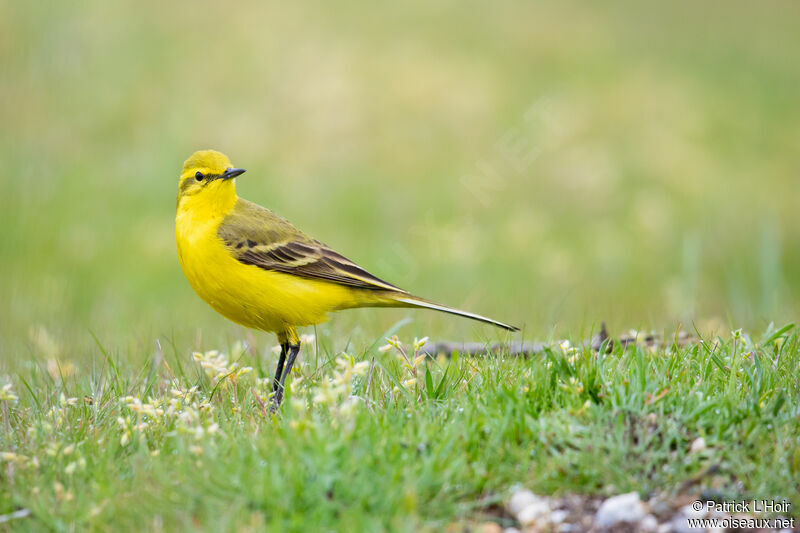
247 294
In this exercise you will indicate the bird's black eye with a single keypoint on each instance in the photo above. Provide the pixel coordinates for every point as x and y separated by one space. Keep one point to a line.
198 176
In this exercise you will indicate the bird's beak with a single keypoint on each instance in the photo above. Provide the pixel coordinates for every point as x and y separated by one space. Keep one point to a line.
231 173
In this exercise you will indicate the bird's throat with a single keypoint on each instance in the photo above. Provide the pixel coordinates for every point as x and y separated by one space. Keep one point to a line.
213 202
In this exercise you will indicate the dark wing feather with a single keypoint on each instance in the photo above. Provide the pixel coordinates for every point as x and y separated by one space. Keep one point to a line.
257 236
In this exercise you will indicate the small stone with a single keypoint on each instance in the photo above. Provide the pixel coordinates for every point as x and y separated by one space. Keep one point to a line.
648 524
535 513
512 530
528 508
621 508
698 445
558 516
659 506
520 500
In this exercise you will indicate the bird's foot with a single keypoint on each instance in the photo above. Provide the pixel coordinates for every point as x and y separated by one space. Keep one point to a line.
280 376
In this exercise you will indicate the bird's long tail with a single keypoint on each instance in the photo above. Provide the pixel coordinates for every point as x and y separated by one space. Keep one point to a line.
414 301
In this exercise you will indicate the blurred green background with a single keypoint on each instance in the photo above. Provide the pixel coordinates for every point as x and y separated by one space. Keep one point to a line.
548 164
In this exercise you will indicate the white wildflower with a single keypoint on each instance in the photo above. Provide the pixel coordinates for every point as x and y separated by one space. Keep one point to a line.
217 367
11 457
360 368
7 395
419 343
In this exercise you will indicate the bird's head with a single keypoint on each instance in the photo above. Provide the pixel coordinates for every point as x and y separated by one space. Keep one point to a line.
207 177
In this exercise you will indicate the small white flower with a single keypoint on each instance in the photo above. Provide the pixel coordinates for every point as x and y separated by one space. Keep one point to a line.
698 445
419 343
360 368
10 457
64 401
410 382
244 370
393 342
8 395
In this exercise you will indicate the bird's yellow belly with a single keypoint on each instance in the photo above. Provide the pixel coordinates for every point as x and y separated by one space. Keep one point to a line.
251 296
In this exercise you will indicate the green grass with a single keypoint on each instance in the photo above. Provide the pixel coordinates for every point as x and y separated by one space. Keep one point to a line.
548 164
554 164
400 456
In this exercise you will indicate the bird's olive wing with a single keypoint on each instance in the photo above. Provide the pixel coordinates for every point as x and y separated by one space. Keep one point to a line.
259 237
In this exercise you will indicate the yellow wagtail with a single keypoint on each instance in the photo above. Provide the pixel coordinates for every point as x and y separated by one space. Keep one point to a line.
258 270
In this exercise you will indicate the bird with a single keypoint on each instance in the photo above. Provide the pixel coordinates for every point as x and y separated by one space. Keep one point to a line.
258 270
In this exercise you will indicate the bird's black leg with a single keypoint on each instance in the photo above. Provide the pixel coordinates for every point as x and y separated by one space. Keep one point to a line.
279 370
277 398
